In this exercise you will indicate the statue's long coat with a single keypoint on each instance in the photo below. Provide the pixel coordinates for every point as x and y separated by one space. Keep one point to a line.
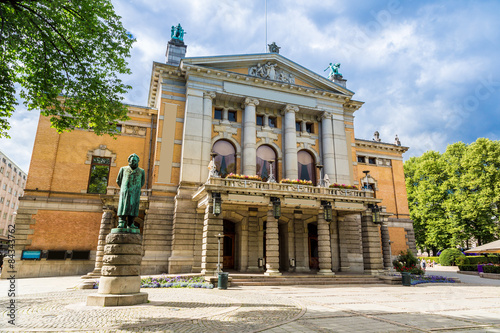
130 182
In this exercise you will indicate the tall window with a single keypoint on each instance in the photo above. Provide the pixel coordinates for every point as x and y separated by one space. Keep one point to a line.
225 161
99 175
306 167
264 155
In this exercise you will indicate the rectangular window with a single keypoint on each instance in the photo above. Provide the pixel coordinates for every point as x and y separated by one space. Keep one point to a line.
297 126
218 114
372 160
361 159
273 122
1 200
80 255
260 120
10 216
15 193
10 189
8 173
99 175
4 215
309 128
13 205
231 116
7 203
2 169
56 255
4 187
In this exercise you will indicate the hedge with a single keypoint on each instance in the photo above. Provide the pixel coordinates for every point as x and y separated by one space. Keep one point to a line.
467 268
491 269
481 260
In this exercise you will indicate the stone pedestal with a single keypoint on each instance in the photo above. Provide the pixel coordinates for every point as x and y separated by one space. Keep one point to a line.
120 281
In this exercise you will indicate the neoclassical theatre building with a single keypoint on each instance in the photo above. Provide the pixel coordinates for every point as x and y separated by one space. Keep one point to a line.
254 151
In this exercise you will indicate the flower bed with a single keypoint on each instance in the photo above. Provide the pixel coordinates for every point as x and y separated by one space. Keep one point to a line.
343 186
244 177
418 279
172 282
175 282
296 181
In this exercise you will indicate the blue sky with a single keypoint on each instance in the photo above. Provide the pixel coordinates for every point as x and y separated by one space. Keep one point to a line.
426 70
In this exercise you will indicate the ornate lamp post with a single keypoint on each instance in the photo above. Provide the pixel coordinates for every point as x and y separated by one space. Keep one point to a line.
276 207
327 210
217 204
219 237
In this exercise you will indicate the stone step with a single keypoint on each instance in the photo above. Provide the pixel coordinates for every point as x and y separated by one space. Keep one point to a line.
303 280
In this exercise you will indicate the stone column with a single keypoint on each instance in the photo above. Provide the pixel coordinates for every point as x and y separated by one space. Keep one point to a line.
243 244
253 241
191 164
328 147
212 226
386 246
324 249
272 245
266 120
206 143
301 244
249 137
106 225
291 168
372 248
225 117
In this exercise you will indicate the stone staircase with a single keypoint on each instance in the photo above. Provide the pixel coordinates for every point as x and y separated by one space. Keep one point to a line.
238 280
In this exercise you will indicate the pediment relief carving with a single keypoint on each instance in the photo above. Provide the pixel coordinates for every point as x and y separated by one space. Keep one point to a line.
271 71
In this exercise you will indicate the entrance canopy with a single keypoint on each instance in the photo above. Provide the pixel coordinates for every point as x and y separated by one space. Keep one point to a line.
493 247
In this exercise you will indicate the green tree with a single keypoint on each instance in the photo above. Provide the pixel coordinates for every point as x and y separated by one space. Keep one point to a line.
425 183
66 57
454 197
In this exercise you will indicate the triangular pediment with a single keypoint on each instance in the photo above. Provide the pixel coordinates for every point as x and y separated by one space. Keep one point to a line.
269 66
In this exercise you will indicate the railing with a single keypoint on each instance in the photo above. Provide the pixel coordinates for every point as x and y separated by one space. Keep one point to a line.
297 188
111 190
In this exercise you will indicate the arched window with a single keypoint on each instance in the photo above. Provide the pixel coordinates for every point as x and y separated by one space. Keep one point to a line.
225 161
264 155
306 166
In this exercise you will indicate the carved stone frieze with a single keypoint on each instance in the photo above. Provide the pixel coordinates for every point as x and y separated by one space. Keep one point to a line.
271 71
135 130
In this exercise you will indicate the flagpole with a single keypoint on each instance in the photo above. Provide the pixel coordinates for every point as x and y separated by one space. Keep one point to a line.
265 47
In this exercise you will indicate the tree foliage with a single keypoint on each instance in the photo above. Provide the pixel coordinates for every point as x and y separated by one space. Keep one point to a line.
66 57
454 197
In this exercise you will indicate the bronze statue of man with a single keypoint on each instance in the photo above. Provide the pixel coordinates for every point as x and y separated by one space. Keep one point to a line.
130 179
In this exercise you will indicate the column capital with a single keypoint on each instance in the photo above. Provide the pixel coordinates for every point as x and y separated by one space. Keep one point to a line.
291 108
251 101
209 94
326 115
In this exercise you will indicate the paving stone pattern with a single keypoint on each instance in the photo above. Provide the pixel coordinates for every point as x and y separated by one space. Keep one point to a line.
367 308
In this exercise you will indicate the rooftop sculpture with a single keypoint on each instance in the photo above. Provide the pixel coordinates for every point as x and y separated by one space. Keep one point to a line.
334 70
177 32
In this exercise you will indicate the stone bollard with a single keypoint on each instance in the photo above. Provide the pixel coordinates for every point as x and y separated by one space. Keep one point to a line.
120 280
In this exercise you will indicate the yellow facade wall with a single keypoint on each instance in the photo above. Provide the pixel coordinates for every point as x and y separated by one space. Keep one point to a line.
58 162
398 237
75 230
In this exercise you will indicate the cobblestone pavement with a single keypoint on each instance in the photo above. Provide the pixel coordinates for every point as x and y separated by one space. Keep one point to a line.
369 308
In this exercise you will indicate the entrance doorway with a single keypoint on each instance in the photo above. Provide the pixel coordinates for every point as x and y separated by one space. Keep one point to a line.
312 229
283 246
229 245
